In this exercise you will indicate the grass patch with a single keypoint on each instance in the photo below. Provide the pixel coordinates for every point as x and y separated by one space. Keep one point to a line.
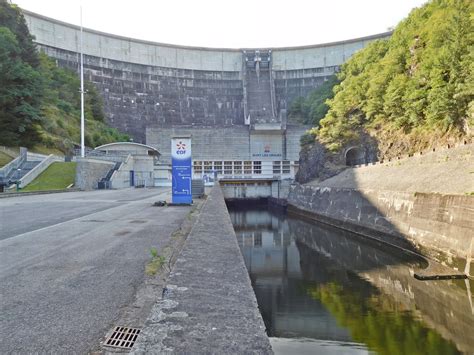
58 176
156 263
4 159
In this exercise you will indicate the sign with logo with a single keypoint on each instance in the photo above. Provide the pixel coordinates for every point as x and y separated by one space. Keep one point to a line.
181 162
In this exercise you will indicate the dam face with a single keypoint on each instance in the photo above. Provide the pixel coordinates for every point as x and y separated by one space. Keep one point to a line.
232 101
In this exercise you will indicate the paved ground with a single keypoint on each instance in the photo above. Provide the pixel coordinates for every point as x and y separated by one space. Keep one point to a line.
70 262
209 306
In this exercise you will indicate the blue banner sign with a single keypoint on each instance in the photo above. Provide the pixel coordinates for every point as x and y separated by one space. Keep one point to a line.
181 161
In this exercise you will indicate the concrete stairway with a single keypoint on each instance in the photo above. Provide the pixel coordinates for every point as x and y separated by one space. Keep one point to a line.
259 88
259 96
105 182
24 169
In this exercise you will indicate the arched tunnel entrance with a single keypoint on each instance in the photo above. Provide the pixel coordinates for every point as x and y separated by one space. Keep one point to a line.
355 156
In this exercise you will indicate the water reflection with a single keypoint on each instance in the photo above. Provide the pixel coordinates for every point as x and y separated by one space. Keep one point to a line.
320 289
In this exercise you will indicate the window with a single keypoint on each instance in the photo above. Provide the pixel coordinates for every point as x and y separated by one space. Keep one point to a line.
286 167
227 168
247 167
237 168
257 241
257 167
197 167
218 167
207 167
276 167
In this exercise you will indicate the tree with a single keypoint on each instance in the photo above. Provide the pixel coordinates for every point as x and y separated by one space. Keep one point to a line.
312 109
12 18
20 94
419 80
39 101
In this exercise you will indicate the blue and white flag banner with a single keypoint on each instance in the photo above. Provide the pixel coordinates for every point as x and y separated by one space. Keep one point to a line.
181 160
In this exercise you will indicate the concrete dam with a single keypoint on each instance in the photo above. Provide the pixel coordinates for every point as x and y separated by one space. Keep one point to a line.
232 101
375 259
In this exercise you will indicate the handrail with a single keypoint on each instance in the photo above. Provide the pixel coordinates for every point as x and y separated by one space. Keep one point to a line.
13 165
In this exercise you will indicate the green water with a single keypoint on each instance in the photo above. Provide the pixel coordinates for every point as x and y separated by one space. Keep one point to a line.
321 290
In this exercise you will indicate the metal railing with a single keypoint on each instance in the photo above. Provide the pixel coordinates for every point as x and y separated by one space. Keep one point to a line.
15 164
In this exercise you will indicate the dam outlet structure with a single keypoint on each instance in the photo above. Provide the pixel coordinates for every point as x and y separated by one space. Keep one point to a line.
233 102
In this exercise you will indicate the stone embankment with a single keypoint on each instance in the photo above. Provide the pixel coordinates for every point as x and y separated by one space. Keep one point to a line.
423 202
208 305
446 171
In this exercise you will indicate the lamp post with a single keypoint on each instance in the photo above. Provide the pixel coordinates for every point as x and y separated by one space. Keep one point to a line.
82 94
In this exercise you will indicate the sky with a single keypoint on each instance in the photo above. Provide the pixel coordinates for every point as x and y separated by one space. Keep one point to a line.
231 23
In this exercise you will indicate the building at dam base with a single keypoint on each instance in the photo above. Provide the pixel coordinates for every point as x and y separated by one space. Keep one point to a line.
233 102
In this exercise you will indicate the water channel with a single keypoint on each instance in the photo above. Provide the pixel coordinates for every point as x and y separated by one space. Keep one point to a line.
324 290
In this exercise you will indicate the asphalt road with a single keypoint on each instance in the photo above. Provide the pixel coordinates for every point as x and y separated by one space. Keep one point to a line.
70 262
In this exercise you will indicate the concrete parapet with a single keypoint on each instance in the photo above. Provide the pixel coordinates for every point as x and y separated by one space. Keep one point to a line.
8 151
440 226
90 171
208 305
36 156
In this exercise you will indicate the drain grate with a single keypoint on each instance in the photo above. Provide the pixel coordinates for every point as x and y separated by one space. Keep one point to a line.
122 337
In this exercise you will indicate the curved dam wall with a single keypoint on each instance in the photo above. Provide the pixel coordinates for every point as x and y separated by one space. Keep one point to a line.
147 84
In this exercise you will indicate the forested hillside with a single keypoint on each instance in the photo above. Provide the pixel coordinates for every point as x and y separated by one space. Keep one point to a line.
311 109
39 102
408 92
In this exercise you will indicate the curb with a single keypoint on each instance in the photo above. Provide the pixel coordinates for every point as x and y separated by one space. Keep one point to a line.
31 193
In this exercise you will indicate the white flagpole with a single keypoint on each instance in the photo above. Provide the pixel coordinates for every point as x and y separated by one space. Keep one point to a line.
82 95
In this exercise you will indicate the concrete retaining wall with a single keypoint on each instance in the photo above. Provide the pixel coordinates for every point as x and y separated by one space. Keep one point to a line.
13 154
447 170
209 306
90 171
441 226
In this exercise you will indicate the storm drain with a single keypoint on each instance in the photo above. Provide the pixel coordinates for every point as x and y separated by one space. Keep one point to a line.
122 337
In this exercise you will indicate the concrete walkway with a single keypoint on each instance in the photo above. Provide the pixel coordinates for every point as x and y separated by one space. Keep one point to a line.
70 264
209 305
